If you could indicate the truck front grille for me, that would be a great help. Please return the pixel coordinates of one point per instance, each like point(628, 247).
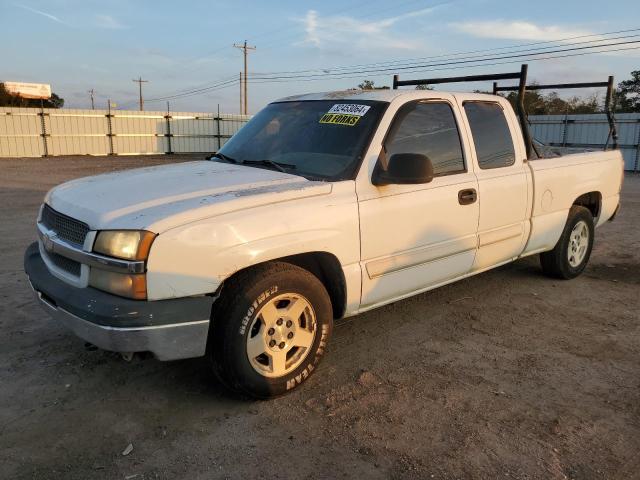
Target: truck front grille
point(65, 227)
point(64, 263)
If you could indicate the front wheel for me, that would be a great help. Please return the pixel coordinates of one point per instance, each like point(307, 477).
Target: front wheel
point(270, 329)
point(571, 254)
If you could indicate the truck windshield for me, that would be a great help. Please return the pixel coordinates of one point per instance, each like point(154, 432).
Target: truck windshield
point(315, 139)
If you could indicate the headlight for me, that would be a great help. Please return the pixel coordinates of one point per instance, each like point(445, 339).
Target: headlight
point(125, 244)
point(122, 284)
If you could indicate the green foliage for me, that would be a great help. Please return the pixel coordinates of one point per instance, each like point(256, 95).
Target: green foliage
point(8, 100)
point(536, 103)
point(626, 99)
point(370, 85)
point(424, 87)
point(627, 96)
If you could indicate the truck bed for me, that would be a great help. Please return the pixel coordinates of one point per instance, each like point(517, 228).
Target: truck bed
point(559, 181)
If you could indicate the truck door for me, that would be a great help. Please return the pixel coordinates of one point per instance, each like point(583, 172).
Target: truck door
point(503, 181)
point(417, 236)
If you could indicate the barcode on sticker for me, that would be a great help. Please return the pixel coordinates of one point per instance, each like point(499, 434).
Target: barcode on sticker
point(350, 109)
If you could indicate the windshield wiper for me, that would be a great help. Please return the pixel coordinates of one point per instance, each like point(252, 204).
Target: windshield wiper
point(224, 157)
point(270, 163)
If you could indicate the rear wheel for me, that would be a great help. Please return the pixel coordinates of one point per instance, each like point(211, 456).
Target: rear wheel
point(571, 254)
point(270, 329)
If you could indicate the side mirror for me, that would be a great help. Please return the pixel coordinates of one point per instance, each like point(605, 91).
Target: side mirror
point(403, 169)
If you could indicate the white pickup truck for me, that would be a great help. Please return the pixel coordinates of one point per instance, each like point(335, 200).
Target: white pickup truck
point(323, 206)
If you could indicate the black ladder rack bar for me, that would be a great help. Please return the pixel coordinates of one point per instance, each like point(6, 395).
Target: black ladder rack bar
point(556, 86)
point(471, 78)
point(613, 132)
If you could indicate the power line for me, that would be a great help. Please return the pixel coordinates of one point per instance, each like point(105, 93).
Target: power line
point(200, 91)
point(414, 66)
point(173, 93)
point(468, 62)
point(456, 54)
point(478, 65)
point(334, 72)
point(482, 64)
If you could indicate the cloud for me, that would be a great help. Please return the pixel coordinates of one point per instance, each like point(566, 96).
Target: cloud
point(332, 31)
point(311, 27)
point(40, 12)
point(107, 21)
point(521, 30)
point(517, 30)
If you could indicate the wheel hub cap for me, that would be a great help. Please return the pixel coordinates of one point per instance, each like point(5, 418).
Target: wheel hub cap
point(578, 243)
point(281, 335)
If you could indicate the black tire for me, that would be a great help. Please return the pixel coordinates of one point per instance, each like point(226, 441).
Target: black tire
point(234, 312)
point(555, 263)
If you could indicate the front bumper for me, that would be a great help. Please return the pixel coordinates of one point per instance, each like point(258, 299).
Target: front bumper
point(170, 329)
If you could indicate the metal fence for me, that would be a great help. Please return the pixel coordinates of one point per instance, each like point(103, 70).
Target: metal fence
point(590, 131)
point(34, 132)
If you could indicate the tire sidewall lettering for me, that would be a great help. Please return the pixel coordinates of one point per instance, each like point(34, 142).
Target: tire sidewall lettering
point(310, 367)
point(262, 298)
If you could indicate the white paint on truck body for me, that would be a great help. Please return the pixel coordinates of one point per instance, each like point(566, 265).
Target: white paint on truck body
point(214, 219)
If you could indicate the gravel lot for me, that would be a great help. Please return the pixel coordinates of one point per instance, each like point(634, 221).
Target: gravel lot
point(507, 374)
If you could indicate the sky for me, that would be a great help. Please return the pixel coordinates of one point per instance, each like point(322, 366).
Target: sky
point(187, 46)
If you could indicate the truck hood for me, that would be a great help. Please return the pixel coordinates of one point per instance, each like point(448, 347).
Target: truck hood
point(162, 197)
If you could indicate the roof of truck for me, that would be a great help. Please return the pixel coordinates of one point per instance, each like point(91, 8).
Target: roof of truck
point(386, 95)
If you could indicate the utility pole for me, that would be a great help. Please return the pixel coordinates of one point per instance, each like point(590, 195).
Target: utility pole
point(240, 111)
point(245, 50)
point(140, 81)
point(91, 94)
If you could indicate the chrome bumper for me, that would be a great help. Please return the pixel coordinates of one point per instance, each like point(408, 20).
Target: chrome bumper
point(170, 329)
point(167, 342)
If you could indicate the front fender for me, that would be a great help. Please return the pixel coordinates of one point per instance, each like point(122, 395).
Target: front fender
point(195, 259)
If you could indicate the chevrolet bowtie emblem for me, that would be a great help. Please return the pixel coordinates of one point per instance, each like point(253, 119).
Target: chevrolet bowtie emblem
point(47, 241)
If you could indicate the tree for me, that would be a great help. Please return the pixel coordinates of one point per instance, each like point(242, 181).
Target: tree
point(627, 96)
point(587, 105)
point(370, 85)
point(535, 103)
point(367, 85)
point(556, 105)
point(9, 100)
point(54, 102)
point(424, 87)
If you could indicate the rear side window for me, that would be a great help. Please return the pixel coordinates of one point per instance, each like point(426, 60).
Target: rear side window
point(430, 129)
point(491, 135)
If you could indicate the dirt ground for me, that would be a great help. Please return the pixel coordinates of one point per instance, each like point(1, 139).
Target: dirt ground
point(504, 375)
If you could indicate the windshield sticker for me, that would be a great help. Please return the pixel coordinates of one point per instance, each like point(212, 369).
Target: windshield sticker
point(338, 119)
point(350, 109)
point(345, 114)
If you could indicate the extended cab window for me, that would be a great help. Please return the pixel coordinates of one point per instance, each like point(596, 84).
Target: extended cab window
point(428, 128)
point(491, 135)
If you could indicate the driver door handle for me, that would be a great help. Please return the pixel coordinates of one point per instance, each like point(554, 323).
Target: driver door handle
point(467, 196)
